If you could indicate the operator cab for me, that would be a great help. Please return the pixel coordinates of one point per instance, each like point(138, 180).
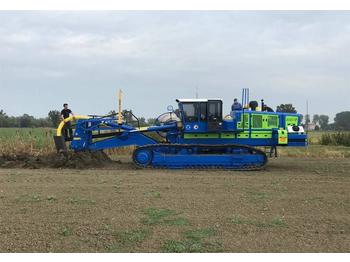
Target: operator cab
point(201, 115)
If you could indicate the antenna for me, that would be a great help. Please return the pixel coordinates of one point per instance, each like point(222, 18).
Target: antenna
point(196, 92)
point(307, 115)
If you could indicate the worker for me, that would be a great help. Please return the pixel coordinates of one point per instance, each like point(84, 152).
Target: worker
point(236, 105)
point(65, 113)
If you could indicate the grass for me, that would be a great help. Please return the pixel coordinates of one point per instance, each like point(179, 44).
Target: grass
point(126, 241)
point(199, 234)
point(35, 198)
point(26, 140)
point(316, 151)
point(182, 246)
point(178, 221)
point(29, 198)
point(66, 232)
point(133, 237)
point(336, 139)
point(156, 216)
point(194, 241)
point(274, 222)
point(51, 198)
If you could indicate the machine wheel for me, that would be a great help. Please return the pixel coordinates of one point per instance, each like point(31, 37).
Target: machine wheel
point(143, 157)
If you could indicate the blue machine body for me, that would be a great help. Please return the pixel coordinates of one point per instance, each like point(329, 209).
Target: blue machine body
point(195, 135)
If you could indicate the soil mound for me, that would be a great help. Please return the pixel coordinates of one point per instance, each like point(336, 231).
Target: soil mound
point(78, 160)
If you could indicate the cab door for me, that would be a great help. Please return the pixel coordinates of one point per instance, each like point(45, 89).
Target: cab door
point(214, 115)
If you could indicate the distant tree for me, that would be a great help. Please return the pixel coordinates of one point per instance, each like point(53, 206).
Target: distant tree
point(112, 112)
point(151, 121)
point(342, 120)
point(4, 119)
point(286, 108)
point(330, 127)
point(142, 121)
point(13, 121)
point(26, 121)
point(127, 114)
point(54, 117)
point(43, 122)
point(316, 119)
point(323, 121)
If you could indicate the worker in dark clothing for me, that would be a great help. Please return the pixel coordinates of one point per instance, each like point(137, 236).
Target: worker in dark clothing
point(65, 113)
point(236, 105)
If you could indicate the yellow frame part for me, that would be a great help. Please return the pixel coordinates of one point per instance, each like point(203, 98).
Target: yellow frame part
point(61, 125)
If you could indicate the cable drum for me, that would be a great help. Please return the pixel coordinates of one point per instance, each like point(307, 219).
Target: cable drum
point(167, 118)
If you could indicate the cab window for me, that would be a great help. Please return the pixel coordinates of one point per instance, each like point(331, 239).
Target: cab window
point(203, 112)
point(214, 110)
point(190, 111)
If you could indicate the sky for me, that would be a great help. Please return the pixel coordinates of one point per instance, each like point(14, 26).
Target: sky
point(48, 58)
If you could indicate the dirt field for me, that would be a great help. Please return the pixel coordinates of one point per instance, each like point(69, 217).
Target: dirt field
point(294, 205)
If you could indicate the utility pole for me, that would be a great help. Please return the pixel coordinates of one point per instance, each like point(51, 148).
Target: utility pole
point(196, 92)
point(307, 115)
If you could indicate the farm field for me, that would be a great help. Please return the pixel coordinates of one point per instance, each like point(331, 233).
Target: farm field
point(295, 205)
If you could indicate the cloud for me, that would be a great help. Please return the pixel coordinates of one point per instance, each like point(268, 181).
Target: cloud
point(158, 56)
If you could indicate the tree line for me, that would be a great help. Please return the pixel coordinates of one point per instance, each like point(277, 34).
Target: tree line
point(321, 122)
point(54, 118)
point(341, 120)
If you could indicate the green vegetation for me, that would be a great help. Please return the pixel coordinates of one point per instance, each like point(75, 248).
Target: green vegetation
point(156, 216)
point(35, 198)
point(133, 237)
point(194, 241)
point(51, 198)
point(275, 222)
point(29, 121)
point(335, 139)
point(287, 108)
point(26, 140)
point(123, 240)
point(199, 234)
point(29, 198)
point(66, 232)
point(184, 246)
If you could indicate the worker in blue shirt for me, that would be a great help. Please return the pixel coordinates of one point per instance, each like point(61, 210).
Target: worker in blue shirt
point(236, 105)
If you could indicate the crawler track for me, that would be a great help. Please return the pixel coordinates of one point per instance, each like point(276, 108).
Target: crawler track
point(199, 156)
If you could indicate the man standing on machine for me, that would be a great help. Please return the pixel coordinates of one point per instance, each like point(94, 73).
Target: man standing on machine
point(236, 105)
point(65, 113)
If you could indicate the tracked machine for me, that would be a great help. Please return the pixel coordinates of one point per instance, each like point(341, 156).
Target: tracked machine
point(196, 135)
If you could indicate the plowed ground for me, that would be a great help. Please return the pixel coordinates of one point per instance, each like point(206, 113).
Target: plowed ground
point(294, 205)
